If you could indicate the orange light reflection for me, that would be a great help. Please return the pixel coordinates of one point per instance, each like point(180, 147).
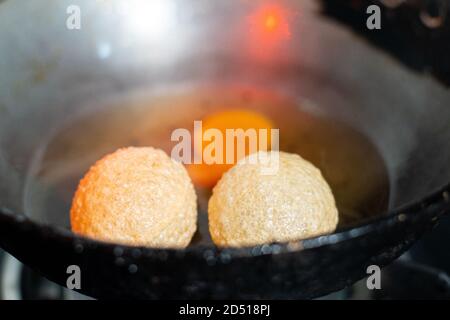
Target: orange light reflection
point(269, 28)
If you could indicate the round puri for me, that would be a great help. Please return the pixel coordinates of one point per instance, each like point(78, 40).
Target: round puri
point(136, 196)
point(250, 206)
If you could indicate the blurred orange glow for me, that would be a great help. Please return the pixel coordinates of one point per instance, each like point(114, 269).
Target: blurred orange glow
point(269, 29)
point(270, 23)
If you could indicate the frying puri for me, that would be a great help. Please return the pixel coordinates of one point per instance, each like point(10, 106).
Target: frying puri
point(252, 207)
point(136, 196)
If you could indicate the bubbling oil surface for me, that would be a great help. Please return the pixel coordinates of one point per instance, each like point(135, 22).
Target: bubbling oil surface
point(349, 161)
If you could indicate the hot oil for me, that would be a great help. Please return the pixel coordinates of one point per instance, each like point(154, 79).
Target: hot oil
point(349, 161)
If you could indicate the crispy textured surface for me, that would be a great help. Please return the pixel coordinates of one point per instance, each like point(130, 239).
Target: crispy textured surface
point(248, 208)
point(136, 196)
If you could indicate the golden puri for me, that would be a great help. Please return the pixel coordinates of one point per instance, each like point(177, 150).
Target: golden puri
point(136, 196)
point(250, 208)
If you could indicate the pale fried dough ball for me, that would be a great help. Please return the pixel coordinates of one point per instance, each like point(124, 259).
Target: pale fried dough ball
point(136, 196)
point(251, 208)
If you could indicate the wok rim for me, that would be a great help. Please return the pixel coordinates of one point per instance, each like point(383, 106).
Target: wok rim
point(387, 218)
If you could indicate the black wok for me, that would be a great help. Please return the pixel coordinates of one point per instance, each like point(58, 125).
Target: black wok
point(48, 73)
